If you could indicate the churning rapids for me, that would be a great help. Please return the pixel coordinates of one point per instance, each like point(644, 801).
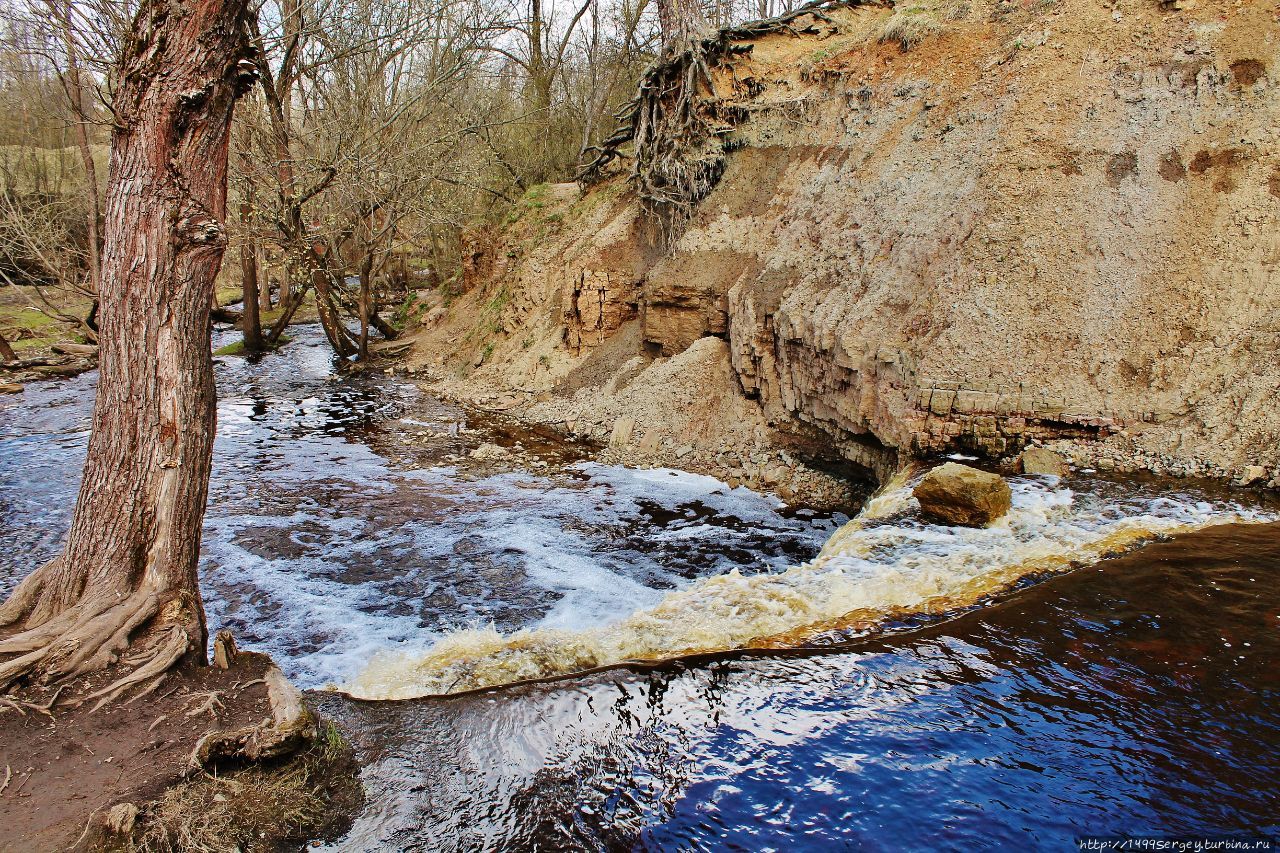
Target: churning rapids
point(892, 684)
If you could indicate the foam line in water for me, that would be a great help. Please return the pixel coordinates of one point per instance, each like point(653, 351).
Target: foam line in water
point(325, 579)
point(886, 560)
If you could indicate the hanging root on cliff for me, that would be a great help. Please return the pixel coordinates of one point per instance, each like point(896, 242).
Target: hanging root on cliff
point(678, 123)
point(63, 640)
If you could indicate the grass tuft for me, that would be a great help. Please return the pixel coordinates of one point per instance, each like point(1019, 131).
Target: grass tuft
point(910, 26)
point(258, 807)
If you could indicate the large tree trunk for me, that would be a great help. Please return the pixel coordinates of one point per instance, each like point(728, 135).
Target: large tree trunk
point(128, 573)
point(681, 21)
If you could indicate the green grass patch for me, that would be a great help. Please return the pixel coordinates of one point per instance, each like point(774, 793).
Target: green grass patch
point(535, 196)
point(408, 311)
point(27, 329)
point(229, 295)
point(237, 347)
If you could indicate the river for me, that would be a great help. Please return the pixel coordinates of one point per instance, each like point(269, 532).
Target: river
point(965, 688)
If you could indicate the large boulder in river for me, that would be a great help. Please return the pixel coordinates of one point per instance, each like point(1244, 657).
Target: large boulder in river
point(958, 494)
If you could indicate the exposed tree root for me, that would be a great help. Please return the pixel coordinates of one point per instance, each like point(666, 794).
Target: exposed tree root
point(167, 652)
point(88, 824)
point(678, 122)
point(210, 705)
point(292, 724)
point(155, 685)
point(18, 705)
point(93, 633)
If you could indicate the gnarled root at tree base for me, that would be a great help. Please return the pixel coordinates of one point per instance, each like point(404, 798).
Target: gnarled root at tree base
point(95, 632)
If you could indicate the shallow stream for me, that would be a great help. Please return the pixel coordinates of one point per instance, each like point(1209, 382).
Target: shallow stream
point(956, 689)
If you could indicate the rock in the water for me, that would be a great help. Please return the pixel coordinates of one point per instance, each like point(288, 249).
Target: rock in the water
point(958, 494)
point(10, 388)
point(1041, 460)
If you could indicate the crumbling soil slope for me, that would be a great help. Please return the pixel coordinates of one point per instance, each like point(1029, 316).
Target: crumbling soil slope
point(944, 226)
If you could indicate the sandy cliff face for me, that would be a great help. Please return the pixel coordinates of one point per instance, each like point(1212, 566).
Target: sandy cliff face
point(1046, 220)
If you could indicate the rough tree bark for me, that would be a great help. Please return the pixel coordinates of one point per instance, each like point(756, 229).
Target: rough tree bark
point(264, 280)
point(125, 587)
point(366, 298)
point(681, 21)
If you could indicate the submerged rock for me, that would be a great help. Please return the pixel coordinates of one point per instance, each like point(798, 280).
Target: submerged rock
point(1041, 460)
point(960, 495)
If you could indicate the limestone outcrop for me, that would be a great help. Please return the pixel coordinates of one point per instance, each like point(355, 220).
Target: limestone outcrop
point(1055, 222)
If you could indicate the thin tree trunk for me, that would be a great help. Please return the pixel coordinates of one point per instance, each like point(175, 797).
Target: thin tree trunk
point(264, 280)
point(249, 282)
point(365, 308)
point(78, 97)
point(128, 573)
point(290, 302)
point(285, 295)
point(330, 319)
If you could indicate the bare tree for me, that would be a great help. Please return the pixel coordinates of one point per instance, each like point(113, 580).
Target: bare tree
point(127, 576)
point(80, 99)
point(249, 278)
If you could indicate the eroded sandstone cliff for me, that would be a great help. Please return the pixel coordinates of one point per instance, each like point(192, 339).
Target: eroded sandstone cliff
point(1042, 221)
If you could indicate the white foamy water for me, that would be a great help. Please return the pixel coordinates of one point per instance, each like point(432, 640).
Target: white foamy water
point(344, 520)
point(396, 561)
point(342, 540)
point(884, 562)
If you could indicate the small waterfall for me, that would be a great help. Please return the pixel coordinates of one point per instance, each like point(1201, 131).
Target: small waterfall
point(886, 561)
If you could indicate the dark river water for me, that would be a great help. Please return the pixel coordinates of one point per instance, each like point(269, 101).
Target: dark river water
point(1014, 688)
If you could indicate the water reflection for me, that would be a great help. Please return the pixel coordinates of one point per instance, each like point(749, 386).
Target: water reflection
point(1137, 697)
